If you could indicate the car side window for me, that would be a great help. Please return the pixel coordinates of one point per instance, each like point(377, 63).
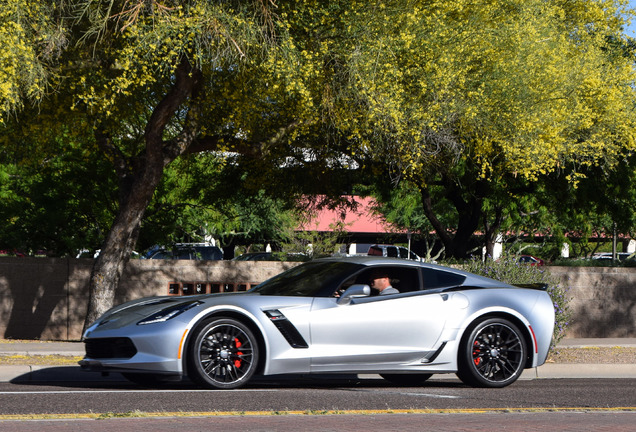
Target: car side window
point(375, 251)
point(433, 278)
point(403, 278)
point(184, 254)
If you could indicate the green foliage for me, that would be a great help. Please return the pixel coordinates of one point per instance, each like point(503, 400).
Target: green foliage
point(584, 216)
point(116, 86)
point(400, 205)
point(201, 195)
point(313, 243)
point(508, 269)
point(521, 87)
point(472, 100)
point(60, 202)
point(30, 41)
point(477, 101)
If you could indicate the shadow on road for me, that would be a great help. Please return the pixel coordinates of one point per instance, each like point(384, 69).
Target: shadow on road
point(71, 377)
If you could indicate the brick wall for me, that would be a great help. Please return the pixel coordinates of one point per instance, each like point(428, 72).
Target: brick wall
point(603, 300)
point(46, 299)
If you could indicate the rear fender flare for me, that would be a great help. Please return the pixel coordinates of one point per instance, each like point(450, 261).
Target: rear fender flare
point(511, 315)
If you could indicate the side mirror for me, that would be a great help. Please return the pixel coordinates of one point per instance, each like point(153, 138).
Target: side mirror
point(354, 291)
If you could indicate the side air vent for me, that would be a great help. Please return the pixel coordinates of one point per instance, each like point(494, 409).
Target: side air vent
point(286, 328)
point(433, 356)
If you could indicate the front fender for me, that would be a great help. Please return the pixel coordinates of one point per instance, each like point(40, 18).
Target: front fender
point(223, 310)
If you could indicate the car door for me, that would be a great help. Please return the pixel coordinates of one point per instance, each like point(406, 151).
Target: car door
point(375, 333)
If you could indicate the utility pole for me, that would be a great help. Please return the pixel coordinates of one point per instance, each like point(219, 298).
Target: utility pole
point(614, 243)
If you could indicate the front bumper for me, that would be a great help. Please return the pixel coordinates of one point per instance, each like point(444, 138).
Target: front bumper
point(154, 348)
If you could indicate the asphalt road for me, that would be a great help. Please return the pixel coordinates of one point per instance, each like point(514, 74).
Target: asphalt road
point(316, 396)
point(308, 404)
point(565, 397)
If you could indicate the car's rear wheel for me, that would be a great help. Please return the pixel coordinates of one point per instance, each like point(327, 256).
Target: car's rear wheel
point(223, 354)
point(493, 354)
point(406, 379)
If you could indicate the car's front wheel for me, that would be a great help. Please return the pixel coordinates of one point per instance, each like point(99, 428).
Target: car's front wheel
point(223, 354)
point(493, 354)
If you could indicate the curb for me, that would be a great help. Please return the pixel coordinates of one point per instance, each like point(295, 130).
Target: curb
point(582, 370)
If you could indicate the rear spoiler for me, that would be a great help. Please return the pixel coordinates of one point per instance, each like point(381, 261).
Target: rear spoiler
point(536, 286)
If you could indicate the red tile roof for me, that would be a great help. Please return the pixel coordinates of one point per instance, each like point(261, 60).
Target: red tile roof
point(362, 220)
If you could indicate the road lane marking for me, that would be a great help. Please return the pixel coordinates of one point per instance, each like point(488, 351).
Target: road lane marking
point(582, 410)
point(434, 396)
point(430, 395)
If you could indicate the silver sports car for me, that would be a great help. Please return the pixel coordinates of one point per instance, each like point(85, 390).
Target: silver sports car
point(323, 317)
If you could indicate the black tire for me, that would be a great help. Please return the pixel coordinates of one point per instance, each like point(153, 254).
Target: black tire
point(223, 354)
point(407, 379)
point(491, 354)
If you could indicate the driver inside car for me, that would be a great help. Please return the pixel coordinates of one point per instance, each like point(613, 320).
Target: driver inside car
point(380, 281)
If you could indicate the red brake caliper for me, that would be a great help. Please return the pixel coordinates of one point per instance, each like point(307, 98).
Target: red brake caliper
point(476, 351)
point(238, 362)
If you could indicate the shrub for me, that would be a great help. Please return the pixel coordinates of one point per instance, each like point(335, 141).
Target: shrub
point(508, 269)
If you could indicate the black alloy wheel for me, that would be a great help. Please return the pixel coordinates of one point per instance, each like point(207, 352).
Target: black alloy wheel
point(223, 354)
point(492, 355)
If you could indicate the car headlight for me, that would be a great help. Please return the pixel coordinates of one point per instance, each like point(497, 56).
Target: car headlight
point(169, 312)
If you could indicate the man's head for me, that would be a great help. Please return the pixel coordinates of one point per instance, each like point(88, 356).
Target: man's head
point(379, 280)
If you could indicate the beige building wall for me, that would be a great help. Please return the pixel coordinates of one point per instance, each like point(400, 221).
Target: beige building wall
point(42, 298)
point(603, 300)
point(46, 299)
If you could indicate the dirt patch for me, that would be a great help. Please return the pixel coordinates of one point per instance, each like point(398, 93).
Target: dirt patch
point(594, 355)
point(38, 360)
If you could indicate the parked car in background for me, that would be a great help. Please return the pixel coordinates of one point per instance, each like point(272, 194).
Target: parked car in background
point(620, 256)
point(271, 256)
point(188, 251)
point(15, 253)
point(531, 260)
point(391, 251)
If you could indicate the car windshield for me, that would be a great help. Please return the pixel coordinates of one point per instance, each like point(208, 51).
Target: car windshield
point(313, 279)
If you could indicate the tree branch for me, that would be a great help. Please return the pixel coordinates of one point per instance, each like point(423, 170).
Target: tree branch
point(120, 162)
point(439, 227)
point(245, 147)
point(187, 79)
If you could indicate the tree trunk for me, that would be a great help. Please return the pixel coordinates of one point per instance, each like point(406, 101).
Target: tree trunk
point(438, 226)
point(139, 177)
point(118, 246)
point(469, 212)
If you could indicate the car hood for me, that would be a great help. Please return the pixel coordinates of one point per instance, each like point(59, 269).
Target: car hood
point(136, 310)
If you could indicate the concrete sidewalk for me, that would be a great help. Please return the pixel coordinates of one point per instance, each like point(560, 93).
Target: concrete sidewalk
point(54, 373)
